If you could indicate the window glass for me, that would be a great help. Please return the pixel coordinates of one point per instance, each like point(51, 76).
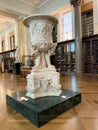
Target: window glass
point(66, 33)
point(72, 47)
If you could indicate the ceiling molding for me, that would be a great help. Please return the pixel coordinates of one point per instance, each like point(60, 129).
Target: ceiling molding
point(29, 3)
point(49, 6)
point(6, 27)
point(30, 7)
point(5, 13)
point(43, 3)
point(18, 7)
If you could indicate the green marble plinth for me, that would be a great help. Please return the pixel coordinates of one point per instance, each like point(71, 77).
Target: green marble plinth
point(41, 110)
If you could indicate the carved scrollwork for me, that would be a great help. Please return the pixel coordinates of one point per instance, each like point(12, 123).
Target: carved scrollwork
point(76, 2)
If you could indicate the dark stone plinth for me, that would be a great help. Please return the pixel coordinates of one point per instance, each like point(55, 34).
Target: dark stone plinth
point(41, 110)
point(16, 68)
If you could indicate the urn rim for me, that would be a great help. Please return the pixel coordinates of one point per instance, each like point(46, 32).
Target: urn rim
point(28, 19)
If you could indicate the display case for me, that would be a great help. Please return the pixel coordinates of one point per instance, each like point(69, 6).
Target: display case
point(8, 59)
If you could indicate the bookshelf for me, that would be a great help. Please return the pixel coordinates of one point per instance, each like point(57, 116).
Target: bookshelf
point(90, 54)
point(8, 59)
point(87, 23)
point(65, 56)
point(54, 34)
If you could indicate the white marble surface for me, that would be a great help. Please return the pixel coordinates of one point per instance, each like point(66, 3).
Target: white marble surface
point(44, 82)
point(43, 79)
point(17, 55)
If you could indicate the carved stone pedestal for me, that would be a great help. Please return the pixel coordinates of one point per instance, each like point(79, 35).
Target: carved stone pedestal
point(44, 82)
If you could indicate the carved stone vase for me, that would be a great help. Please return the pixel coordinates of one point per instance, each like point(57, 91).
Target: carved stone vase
point(43, 80)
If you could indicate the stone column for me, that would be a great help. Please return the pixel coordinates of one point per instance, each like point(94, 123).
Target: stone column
point(21, 39)
point(78, 35)
point(16, 33)
point(26, 46)
point(95, 13)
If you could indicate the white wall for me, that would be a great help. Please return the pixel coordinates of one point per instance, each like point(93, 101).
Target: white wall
point(58, 13)
point(15, 28)
point(53, 5)
point(95, 6)
point(6, 35)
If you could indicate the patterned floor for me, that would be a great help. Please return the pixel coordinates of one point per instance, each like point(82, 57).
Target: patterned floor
point(84, 116)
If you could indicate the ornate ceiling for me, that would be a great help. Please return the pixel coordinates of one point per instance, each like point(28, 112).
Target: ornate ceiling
point(11, 10)
point(14, 9)
point(21, 7)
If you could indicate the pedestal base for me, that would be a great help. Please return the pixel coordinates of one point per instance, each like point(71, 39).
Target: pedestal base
point(16, 68)
point(43, 82)
point(43, 94)
point(41, 110)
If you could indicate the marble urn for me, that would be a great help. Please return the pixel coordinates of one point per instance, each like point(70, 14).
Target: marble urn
point(43, 80)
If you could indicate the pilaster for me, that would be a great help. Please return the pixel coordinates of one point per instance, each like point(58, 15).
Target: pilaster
point(21, 38)
point(95, 13)
point(78, 35)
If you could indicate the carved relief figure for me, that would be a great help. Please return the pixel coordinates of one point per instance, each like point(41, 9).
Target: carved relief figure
point(42, 44)
point(33, 85)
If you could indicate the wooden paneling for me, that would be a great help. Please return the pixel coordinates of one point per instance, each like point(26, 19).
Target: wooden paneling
point(87, 7)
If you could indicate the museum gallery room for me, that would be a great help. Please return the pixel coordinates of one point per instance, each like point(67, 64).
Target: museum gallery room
point(49, 64)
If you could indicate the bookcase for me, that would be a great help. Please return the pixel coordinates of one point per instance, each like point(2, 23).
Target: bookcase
point(8, 59)
point(87, 23)
point(90, 54)
point(54, 34)
point(65, 56)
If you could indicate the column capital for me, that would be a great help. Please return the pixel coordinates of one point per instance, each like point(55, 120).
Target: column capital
point(76, 2)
